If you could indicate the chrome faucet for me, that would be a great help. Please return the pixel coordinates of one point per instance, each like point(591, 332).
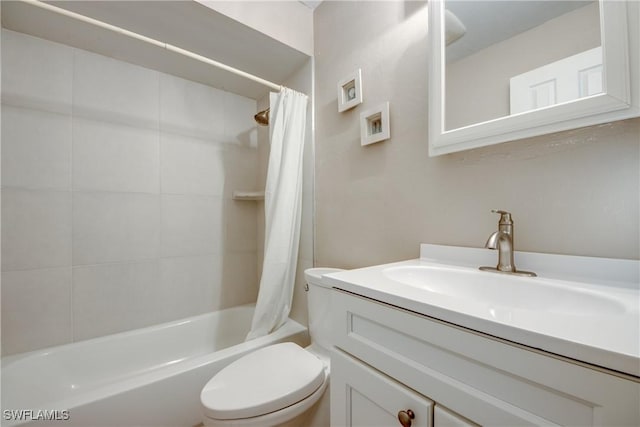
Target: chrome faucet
point(502, 240)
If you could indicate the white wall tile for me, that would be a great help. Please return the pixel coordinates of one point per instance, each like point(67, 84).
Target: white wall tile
point(263, 154)
point(241, 224)
point(308, 162)
point(240, 279)
point(260, 234)
point(89, 259)
point(240, 126)
point(192, 225)
point(189, 108)
point(111, 227)
point(116, 91)
point(36, 229)
point(36, 309)
point(242, 170)
point(306, 228)
point(192, 166)
point(36, 73)
point(114, 157)
point(36, 149)
point(111, 298)
point(192, 284)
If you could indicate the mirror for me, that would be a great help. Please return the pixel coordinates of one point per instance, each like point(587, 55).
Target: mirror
point(505, 70)
point(512, 57)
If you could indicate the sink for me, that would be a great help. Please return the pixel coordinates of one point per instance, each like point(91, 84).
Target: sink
point(583, 308)
point(505, 291)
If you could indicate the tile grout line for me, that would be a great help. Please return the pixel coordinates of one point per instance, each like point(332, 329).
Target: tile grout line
point(132, 261)
point(160, 167)
point(122, 192)
point(71, 307)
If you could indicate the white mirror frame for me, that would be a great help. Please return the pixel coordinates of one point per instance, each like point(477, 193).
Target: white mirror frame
point(619, 23)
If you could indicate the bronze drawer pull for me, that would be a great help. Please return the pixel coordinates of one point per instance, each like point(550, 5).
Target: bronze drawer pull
point(405, 417)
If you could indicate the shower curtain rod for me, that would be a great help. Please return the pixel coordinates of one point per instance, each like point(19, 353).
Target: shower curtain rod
point(151, 41)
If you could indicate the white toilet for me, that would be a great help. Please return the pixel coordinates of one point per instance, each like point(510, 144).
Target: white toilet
point(276, 385)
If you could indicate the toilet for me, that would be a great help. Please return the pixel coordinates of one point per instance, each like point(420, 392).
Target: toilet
point(275, 385)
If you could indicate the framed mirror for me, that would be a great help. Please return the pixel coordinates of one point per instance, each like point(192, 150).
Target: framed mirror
point(510, 69)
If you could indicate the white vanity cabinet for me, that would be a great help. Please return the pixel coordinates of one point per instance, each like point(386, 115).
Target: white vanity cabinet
point(364, 397)
point(443, 417)
point(387, 359)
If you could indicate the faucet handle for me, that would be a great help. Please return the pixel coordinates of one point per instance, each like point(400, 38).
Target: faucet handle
point(505, 217)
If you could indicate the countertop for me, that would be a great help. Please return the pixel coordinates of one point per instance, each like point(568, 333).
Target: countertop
point(607, 340)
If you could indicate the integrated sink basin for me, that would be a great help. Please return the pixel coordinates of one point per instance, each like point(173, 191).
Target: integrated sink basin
point(501, 291)
point(583, 308)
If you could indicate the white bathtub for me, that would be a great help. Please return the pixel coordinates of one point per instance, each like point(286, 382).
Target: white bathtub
point(145, 377)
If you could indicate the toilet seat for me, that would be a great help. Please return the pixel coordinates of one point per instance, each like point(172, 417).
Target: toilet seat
point(273, 418)
point(263, 382)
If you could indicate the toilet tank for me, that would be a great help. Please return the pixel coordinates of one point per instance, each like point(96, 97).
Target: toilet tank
point(318, 300)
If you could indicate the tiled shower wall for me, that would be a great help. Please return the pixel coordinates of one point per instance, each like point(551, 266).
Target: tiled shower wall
point(116, 196)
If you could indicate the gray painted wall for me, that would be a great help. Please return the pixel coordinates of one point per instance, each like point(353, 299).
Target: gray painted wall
point(574, 192)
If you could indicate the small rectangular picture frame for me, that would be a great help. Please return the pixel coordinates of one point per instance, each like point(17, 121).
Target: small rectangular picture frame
point(374, 124)
point(350, 91)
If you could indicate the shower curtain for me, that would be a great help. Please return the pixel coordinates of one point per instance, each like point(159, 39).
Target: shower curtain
point(283, 211)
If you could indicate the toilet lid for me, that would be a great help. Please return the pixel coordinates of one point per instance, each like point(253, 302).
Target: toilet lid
point(261, 382)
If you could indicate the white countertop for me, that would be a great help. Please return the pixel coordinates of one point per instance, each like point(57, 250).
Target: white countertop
point(608, 340)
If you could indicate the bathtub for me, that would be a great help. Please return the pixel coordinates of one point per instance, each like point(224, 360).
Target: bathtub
point(145, 377)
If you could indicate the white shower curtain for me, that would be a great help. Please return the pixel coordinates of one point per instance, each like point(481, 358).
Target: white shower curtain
point(283, 211)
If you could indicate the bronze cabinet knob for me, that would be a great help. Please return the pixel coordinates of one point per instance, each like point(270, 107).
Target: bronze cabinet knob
point(405, 417)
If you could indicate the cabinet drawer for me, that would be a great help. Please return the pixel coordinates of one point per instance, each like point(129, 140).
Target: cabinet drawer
point(485, 380)
point(442, 417)
point(363, 397)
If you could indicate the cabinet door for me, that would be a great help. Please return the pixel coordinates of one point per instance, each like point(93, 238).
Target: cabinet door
point(443, 417)
point(364, 397)
point(489, 381)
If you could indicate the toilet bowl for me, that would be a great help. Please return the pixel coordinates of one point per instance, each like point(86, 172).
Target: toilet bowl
point(275, 385)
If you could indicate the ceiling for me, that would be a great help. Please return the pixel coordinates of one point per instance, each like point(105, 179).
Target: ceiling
point(489, 22)
point(210, 34)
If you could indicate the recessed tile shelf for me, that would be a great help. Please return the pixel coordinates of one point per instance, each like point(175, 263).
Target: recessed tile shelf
point(248, 195)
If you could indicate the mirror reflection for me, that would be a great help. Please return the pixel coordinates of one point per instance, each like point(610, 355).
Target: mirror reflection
point(508, 57)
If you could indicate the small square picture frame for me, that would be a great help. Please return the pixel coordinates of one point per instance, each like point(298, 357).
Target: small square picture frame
point(374, 124)
point(350, 91)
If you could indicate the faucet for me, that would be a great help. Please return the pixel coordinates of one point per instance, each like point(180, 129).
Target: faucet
point(502, 240)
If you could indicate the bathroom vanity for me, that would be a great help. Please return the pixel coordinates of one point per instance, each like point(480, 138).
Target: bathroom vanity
point(407, 352)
